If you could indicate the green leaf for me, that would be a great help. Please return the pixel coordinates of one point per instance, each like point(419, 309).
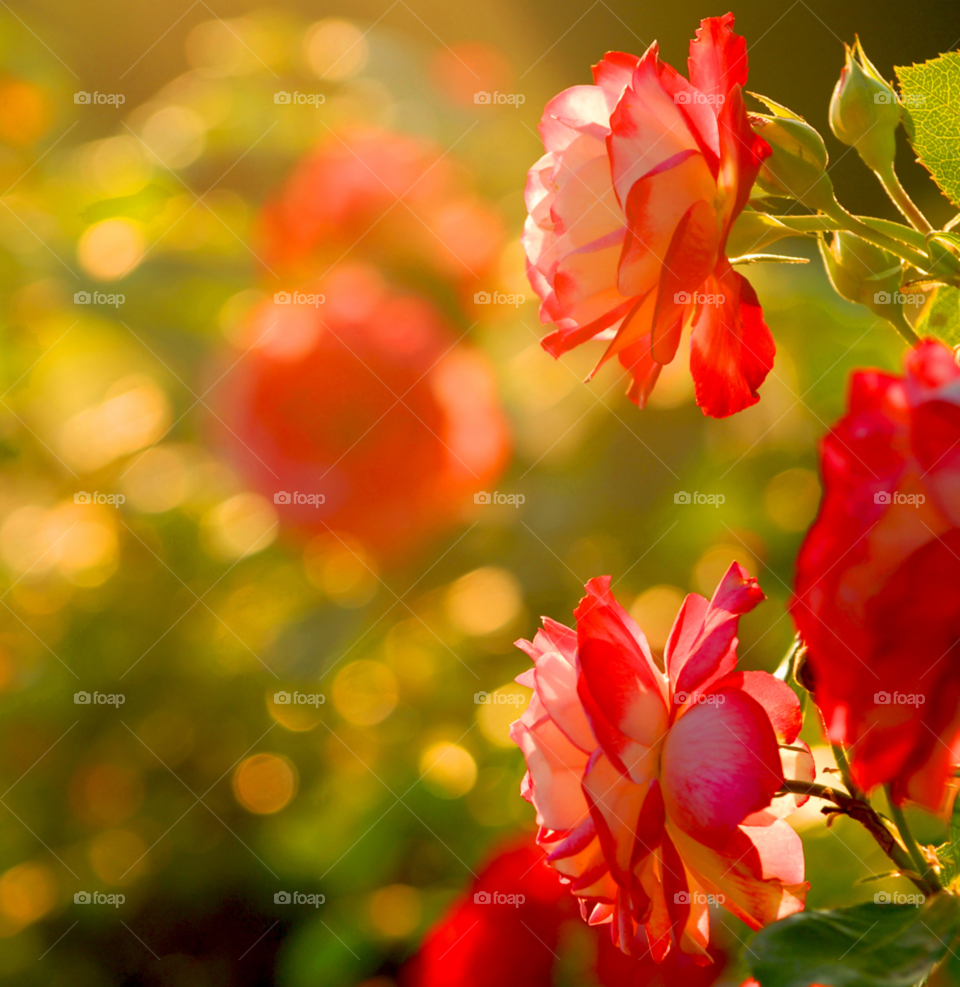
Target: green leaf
point(871, 945)
point(940, 316)
point(949, 853)
point(931, 96)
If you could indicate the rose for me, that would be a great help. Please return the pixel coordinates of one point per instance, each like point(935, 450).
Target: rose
point(390, 194)
point(640, 799)
point(629, 213)
point(878, 578)
point(371, 396)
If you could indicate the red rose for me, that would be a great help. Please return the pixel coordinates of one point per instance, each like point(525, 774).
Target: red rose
point(366, 400)
point(656, 790)
point(393, 197)
point(878, 577)
point(630, 209)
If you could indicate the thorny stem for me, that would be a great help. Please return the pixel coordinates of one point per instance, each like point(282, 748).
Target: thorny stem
point(922, 865)
point(871, 820)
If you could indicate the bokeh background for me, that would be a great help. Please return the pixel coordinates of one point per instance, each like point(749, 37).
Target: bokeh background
point(399, 398)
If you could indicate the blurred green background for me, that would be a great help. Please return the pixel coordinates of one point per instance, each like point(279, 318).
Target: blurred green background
point(344, 800)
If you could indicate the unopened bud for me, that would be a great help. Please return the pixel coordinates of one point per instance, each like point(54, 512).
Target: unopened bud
point(861, 272)
point(865, 111)
point(797, 168)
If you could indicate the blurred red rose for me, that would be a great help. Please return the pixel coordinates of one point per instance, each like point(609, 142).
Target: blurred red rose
point(367, 399)
point(394, 198)
point(878, 578)
point(630, 209)
point(480, 943)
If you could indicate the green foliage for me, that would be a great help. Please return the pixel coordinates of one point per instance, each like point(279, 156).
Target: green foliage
point(870, 945)
point(931, 93)
point(941, 316)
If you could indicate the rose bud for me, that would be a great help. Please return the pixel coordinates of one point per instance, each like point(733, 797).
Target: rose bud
point(864, 110)
point(861, 272)
point(797, 168)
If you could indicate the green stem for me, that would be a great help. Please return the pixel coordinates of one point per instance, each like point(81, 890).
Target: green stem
point(870, 819)
point(898, 249)
point(902, 200)
point(898, 321)
point(920, 862)
point(843, 763)
point(821, 223)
